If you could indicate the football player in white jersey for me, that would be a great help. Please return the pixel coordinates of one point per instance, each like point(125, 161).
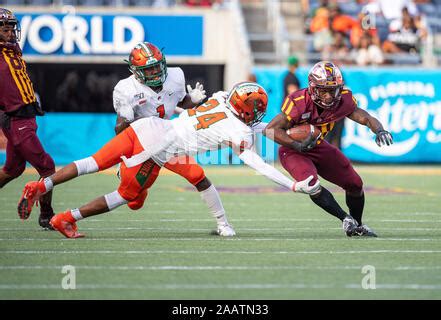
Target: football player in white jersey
point(153, 90)
point(222, 120)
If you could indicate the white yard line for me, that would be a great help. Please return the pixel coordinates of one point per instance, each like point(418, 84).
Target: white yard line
point(210, 268)
point(261, 286)
point(192, 252)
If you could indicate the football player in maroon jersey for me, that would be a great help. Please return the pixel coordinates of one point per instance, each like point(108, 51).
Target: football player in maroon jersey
point(18, 108)
point(324, 102)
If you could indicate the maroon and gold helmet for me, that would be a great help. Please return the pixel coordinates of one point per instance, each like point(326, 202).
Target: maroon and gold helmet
point(9, 22)
point(248, 101)
point(148, 64)
point(325, 84)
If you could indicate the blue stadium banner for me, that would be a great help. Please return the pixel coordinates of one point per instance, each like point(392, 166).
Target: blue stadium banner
point(406, 101)
point(103, 34)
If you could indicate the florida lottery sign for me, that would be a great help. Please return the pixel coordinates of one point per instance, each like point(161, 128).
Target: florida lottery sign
point(408, 103)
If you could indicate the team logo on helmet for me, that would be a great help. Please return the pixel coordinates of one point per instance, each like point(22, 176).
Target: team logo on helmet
point(248, 101)
point(8, 20)
point(148, 64)
point(325, 83)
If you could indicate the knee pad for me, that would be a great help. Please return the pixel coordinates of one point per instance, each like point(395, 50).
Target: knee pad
point(195, 175)
point(138, 202)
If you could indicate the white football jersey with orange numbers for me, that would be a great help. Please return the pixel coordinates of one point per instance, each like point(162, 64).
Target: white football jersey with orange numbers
point(208, 127)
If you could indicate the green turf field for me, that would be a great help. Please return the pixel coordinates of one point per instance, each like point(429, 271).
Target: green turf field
point(286, 247)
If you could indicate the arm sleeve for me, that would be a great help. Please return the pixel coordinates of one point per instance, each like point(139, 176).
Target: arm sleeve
point(253, 160)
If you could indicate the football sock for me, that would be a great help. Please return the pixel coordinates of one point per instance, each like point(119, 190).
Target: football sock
point(76, 214)
point(356, 206)
point(48, 184)
point(212, 199)
point(326, 201)
point(114, 200)
point(45, 205)
point(86, 165)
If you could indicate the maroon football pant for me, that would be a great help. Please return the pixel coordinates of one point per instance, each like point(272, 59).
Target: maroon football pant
point(23, 145)
point(324, 160)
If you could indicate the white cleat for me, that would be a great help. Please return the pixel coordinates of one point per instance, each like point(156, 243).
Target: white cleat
point(350, 226)
point(225, 230)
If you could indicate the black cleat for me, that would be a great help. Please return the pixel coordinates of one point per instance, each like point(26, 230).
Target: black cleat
point(43, 221)
point(365, 231)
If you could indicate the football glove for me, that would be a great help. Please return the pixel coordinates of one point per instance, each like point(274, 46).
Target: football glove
point(197, 94)
point(306, 145)
point(304, 187)
point(383, 138)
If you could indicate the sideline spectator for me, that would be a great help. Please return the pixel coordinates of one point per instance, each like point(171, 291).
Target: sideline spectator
point(368, 53)
point(405, 37)
point(338, 51)
point(290, 81)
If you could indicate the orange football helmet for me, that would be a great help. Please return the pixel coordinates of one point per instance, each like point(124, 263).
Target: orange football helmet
point(148, 64)
point(248, 101)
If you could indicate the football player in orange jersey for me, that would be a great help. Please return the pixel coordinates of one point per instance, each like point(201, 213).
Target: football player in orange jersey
point(324, 102)
point(18, 108)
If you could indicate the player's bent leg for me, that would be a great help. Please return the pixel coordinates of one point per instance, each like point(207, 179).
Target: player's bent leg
point(65, 222)
point(135, 181)
point(14, 166)
point(300, 166)
point(123, 144)
point(5, 178)
point(138, 202)
point(187, 167)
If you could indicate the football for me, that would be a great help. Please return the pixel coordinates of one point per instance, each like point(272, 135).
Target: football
point(301, 132)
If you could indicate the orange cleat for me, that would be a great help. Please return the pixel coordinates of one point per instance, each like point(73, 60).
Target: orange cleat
point(30, 196)
point(64, 223)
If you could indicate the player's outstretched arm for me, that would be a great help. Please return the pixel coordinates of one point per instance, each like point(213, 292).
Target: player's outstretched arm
point(254, 161)
point(363, 117)
point(194, 97)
